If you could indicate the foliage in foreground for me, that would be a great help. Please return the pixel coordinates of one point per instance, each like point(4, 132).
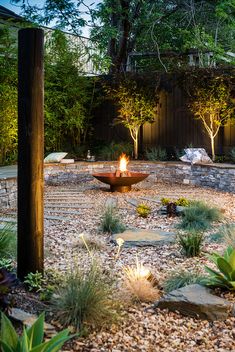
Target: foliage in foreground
point(31, 339)
point(198, 217)
point(191, 243)
point(178, 279)
point(110, 221)
point(224, 276)
point(139, 284)
point(85, 300)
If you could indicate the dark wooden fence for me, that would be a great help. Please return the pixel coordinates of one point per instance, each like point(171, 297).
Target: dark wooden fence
point(175, 126)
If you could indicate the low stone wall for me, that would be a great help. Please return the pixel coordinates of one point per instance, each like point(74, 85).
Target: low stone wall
point(217, 176)
point(8, 191)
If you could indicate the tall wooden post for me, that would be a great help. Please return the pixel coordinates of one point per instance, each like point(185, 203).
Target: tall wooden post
point(30, 151)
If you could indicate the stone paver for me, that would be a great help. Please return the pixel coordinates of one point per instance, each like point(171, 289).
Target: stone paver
point(139, 237)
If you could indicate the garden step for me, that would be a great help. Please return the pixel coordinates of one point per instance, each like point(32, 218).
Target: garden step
point(63, 211)
point(78, 206)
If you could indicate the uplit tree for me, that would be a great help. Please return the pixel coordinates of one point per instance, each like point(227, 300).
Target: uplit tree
point(212, 105)
point(136, 106)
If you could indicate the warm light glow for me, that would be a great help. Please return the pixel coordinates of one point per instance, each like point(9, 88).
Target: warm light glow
point(123, 161)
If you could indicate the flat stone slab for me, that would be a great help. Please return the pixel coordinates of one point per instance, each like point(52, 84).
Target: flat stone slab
point(78, 206)
point(196, 301)
point(28, 319)
point(139, 237)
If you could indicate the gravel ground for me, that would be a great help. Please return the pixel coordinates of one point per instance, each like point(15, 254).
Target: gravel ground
point(143, 328)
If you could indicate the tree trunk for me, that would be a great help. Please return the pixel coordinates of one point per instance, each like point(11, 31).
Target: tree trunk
point(212, 148)
point(136, 148)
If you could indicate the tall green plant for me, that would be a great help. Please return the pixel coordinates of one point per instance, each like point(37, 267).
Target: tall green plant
point(8, 96)
point(68, 95)
point(136, 106)
point(211, 104)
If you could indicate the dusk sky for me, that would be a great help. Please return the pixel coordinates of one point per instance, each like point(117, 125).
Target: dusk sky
point(17, 9)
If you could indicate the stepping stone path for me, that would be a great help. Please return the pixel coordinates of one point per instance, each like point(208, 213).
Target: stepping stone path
point(141, 238)
point(196, 301)
point(28, 319)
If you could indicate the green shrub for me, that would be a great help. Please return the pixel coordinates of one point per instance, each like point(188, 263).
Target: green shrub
point(228, 233)
point(232, 154)
point(114, 150)
point(182, 202)
point(110, 221)
point(6, 264)
point(216, 237)
point(178, 279)
point(198, 217)
point(34, 281)
point(85, 300)
point(143, 210)
point(7, 241)
point(31, 339)
point(191, 243)
point(225, 276)
point(156, 153)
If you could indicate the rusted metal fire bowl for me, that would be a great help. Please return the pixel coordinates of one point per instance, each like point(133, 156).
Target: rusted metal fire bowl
point(120, 184)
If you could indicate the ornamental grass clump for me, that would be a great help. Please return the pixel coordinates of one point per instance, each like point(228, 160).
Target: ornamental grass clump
point(191, 243)
point(139, 284)
point(7, 241)
point(85, 300)
point(110, 221)
point(198, 217)
point(178, 279)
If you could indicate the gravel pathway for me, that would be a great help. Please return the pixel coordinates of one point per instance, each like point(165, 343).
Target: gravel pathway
point(142, 329)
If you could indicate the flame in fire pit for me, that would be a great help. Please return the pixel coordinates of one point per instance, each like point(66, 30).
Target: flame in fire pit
point(123, 161)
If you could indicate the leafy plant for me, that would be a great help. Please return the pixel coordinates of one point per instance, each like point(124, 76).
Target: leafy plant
point(110, 221)
point(136, 106)
point(198, 217)
point(34, 281)
point(156, 153)
point(6, 264)
point(7, 281)
point(225, 276)
point(191, 243)
point(143, 210)
point(31, 339)
point(7, 241)
point(178, 279)
point(211, 104)
point(85, 300)
point(140, 284)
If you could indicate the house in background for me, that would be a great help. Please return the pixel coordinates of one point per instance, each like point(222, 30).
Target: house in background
point(84, 45)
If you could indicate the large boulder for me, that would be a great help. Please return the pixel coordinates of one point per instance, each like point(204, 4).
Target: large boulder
point(196, 301)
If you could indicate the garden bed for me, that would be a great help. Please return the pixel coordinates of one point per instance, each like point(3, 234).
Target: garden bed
point(143, 327)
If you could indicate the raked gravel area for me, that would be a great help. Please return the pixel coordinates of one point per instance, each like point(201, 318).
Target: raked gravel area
point(77, 208)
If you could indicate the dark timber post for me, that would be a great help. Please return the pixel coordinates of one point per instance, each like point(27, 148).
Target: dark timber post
point(30, 151)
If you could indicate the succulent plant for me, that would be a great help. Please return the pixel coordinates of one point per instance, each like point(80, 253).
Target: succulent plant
point(225, 277)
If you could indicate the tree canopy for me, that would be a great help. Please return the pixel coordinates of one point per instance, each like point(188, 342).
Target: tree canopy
point(122, 27)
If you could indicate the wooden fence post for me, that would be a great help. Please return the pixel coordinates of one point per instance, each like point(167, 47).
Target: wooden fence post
point(30, 151)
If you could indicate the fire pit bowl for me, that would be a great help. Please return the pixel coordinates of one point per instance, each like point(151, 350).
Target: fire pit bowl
point(120, 184)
